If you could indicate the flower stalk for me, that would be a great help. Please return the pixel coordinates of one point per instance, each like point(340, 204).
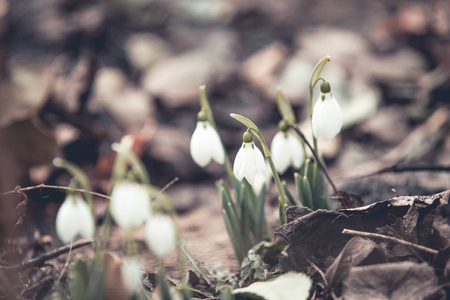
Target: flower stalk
point(204, 103)
point(284, 202)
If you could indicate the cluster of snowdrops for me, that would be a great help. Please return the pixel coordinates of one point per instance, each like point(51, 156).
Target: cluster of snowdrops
point(135, 202)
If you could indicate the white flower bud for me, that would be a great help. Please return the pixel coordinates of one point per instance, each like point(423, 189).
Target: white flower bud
point(74, 217)
point(130, 204)
point(286, 151)
point(249, 161)
point(327, 117)
point(206, 145)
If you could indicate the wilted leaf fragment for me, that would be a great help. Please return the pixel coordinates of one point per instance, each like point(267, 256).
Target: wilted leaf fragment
point(285, 287)
point(355, 252)
point(405, 280)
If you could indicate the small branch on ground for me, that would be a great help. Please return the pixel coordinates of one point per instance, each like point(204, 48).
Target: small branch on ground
point(19, 190)
point(400, 169)
point(48, 256)
point(389, 238)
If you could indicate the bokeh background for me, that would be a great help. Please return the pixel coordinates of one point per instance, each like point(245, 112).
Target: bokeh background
point(76, 76)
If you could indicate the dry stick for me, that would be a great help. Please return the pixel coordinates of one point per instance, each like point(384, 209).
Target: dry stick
point(56, 187)
point(389, 238)
point(318, 271)
point(399, 169)
point(41, 259)
point(172, 182)
point(319, 162)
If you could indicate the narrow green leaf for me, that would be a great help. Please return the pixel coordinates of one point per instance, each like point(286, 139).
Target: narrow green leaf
point(281, 212)
point(285, 108)
point(233, 238)
point(300, 190)
point(307, 193)
point(78, 279)
point(289, 195)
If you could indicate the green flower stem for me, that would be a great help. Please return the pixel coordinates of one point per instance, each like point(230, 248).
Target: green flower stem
point(318, 161)
point(204, 103)
point(79, 176)
point(136, 164)
point(315, 78)
point(284, 202)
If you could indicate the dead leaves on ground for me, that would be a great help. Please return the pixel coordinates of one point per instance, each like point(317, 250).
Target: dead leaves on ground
point(358, 267)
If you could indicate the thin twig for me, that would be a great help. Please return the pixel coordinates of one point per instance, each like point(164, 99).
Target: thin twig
point(41, 259)
point(56, 187)
point(389, 238)
point(319, 162)
point(67, 262)
point(318, 271)
point(172, 182)
point(399, 169)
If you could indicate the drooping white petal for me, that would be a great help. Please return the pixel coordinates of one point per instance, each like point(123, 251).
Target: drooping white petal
point(296, 153)
point(216, 151)
point(74, 217)
point(327, 117)
point(279, 150)
point(286, 151)
point(130, 204)
point(260, 162)
point(160, 235)
point(199, 145)
point(315, 117)
point(249, 161)
point(239, 161)
point(131, 272)
point(206, 145)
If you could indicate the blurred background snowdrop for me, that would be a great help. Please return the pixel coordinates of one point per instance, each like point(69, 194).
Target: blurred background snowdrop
point(130, 205)
point(74, 217)
point(160, 235)
point(131, 272)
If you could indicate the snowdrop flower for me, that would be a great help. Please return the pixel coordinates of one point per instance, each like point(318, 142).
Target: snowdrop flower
point(130, 204)
point(160, 235)
point(131, 272)
point(74, 217)
point(286, 151)
point(205, 143)
point(249, 160)
point(327, 115)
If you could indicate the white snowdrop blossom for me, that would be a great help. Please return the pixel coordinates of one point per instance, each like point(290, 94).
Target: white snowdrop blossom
point(131, 272)
point(74, 217)
point(206, 145)
point(249, 161)
point(160, 235)
point(286, 151)
point(327, 117)
point(130, 204)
